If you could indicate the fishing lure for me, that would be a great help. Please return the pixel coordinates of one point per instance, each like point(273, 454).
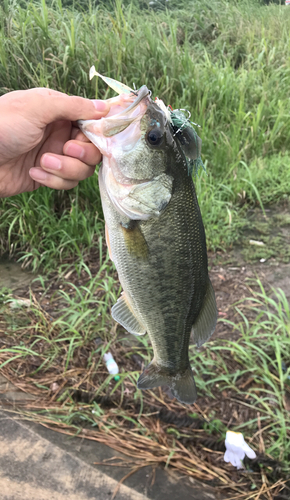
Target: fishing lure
point(189, 140)
point(182, 126)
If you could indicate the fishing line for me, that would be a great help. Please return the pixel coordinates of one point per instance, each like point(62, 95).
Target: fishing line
point(185, 122)
point(187, 110)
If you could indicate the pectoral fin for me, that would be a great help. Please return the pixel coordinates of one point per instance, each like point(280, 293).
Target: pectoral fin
point(135, 241)
point(108, 242)
point(123, 314)
point(205, 324)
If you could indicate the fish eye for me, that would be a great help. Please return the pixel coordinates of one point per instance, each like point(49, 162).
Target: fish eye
point(155, 137)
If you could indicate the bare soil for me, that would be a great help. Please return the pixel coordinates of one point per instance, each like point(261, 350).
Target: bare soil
point(233, 278)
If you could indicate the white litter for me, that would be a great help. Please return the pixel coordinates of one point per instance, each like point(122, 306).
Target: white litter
point(111, 364)
point(15, 304)
point(236, 449)
point(258, 243)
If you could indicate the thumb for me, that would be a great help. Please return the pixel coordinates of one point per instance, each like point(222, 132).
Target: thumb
point(48, 105)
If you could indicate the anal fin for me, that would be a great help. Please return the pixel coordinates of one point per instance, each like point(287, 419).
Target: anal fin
point(204, 326)
point(123, 314)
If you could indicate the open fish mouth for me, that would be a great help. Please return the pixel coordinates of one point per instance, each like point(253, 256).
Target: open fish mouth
point(120, 130)
point(120, 137)
point(121, 126)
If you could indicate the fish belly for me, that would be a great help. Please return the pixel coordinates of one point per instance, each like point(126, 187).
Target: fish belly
point(162, 267)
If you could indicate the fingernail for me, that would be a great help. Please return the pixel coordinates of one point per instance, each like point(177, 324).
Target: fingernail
point(74, 150)
point(50, 162)
point(37, 174)
point(100, 105)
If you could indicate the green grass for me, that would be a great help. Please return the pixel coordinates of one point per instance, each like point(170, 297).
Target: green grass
point(262, 354)
point(253, 370)
point(227, 62)
point(51, 227)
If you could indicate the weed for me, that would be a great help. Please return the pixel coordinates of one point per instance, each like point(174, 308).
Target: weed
point(245, 383)
point(225, 61)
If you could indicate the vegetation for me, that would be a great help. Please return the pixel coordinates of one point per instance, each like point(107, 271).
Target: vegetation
point(228, 62)
point(243, 384)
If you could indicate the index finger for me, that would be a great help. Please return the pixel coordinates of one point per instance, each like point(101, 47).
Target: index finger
point(46, 106)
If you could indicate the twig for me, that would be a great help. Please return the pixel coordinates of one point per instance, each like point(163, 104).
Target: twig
point(244, 495)
point(262, 444)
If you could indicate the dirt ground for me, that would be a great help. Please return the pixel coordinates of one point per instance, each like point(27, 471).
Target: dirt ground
point(263, 252)
point(234, 281)
point(234, 276)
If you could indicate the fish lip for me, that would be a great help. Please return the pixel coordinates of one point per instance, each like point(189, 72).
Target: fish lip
point(142, 93)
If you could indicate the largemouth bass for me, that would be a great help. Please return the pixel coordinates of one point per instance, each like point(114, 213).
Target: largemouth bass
point(155, 236)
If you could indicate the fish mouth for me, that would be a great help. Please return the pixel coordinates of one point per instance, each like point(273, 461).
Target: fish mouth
point(141, 94)
point(114, 129)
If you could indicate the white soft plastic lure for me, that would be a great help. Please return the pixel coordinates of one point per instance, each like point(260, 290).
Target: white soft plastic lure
point(118, 87)
point(121, 88)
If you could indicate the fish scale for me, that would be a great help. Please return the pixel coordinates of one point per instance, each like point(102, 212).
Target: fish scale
point(157, 242)
point(173, 274)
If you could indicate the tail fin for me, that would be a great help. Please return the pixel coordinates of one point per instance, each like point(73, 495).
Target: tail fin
point(182, 385)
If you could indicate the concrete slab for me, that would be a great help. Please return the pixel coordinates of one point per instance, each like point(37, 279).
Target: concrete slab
point(32, 468)
point(39, 464)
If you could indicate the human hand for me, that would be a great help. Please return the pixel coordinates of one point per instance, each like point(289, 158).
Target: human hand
point(39, 144)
